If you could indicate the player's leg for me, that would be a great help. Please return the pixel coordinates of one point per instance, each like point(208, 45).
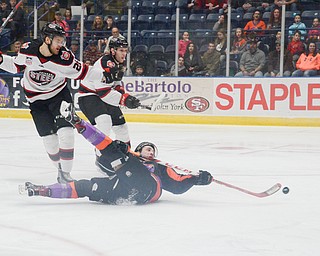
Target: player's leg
point(45, 125)
point(65, 134)
point(119, 125)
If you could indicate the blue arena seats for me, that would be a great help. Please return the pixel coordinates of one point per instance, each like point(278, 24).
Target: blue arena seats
point(165, 7)
point(143, 22)
point(161, 21)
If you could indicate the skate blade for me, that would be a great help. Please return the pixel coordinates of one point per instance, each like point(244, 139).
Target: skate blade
point(22, 189)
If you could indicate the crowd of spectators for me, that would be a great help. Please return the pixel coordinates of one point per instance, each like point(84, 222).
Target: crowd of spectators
point(254, 50)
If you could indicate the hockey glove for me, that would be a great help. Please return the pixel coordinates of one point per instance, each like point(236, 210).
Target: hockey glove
point(129, 101)
point(123, 147)
point(204, 178)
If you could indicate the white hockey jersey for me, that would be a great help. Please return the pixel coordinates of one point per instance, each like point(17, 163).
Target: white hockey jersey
point(44, 77)
point(96, 83)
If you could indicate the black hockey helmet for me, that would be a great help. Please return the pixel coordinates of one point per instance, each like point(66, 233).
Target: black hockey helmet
point(144, 144)
point(118, 43)
point(51, 30)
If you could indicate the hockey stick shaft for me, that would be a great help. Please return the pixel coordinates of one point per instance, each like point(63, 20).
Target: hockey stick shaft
point(265, 193)
point(145, 107)
point(4, 24)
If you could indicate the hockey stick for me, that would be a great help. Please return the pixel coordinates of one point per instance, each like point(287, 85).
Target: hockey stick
point(265, 193)
point(155, 104)
point(145, 107)
point(4, 24)
point(159, 99)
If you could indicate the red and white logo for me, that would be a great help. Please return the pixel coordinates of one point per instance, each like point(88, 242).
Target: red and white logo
point(197, 104)
point(110, 64)
point(25, 45)
point(65, 55)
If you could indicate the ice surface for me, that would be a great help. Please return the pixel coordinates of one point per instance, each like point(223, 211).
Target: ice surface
point(205, 221)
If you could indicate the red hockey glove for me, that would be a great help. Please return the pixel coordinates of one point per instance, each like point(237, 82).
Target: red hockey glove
point(204, 178)
point(129, 101)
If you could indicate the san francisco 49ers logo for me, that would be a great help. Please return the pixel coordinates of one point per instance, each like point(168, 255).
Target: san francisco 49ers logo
point(65, 55)
point(197, 104)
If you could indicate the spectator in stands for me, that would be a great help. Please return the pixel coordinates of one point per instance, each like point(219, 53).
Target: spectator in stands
point(192, 59)
point(182, 71)
point(272, 44)
point(252, 61)
point(274, 62)
point(296, 47)
point(314, 32)
point(308, 63)
point(221, 44)
point(67, 14)
point(115, 34)
point(75, 35)
point(109, 25)
point(215, 6)
point(91, 53)
point(256, 24)
point(51, 7)
point(274, 22)
point(261, 5)
point(61, 22)
point(298, 25)
point(291, 5)
point(211, 61)
point(139, 71)
point(3, 7)
point(220, 24)
point(14, 48)
point(17, 22)
point(195, 6)
point(243, 7)
point(142, 58)
point(183, 43)
point(239, 44)
point(75, 48)
point(97, 28)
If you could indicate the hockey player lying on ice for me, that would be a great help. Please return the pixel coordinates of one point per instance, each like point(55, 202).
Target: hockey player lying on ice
point(134, 177)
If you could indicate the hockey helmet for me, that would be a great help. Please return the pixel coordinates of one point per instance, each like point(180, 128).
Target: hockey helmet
point(118, 43)
point(144, 144)
point(51, 30)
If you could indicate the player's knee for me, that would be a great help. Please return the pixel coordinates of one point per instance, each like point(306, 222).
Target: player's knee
point(83, 188)
point(66, 137)
point(122, 132)
point(104, 123)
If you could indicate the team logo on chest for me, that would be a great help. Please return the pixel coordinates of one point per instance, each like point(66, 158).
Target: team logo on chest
point(42, 77)
point(110, 64)
point(65, 55)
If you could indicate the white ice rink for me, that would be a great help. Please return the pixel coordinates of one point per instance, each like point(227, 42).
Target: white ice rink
point(205, 221)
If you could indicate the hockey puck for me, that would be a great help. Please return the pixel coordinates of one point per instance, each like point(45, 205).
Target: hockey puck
point(285, 190)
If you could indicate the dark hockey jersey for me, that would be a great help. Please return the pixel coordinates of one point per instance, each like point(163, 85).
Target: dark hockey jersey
point(44, 77)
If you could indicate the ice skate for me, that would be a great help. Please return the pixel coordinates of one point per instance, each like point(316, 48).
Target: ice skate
point(35, 190)
point(69, 114)
point(64, 177)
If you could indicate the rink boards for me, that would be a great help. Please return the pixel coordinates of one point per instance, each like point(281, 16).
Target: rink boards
point(241, 101)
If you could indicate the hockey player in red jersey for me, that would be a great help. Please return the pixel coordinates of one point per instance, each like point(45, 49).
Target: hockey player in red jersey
point(46, 65)
point(102, 92)
point(133, 177)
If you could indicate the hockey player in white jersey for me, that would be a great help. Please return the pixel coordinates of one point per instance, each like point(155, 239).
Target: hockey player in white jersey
point(102, 92)
point(46, 65)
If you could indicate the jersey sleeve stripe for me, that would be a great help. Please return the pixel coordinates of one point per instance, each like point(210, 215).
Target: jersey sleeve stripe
point(84, 72)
